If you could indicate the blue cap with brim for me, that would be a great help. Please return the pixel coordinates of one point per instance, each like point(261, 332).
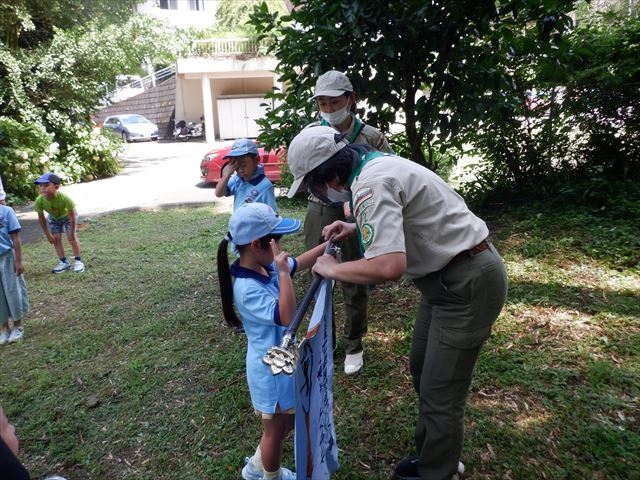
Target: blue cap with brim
point(252, 221)
point(48, 178)
point(241, 147)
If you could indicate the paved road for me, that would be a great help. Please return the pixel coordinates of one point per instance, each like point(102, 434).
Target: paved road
point(155, 174)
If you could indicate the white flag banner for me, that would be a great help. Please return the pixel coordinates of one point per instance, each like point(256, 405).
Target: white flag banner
point(316, 449)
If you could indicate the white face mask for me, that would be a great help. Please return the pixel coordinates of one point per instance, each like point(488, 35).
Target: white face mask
point(337, 117)
point(338, 196)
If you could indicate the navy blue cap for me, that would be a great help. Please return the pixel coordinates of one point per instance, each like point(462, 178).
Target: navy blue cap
point(48, 178)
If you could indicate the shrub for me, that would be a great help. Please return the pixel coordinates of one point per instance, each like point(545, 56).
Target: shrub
point(78, 153)
point(86, 153)
point(25, 150)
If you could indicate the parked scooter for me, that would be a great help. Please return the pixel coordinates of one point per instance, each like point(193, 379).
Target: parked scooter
point(196, 129)
point(184, 131)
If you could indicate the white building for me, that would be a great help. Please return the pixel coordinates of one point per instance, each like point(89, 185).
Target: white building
point(181, 13)
point(223, 81)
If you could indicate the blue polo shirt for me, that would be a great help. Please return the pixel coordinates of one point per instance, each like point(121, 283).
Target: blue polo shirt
point(256, 298)
point(257, 189)
point(8, 224)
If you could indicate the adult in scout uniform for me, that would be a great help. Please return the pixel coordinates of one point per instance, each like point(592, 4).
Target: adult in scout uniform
point(411, 223)
point(336, 101)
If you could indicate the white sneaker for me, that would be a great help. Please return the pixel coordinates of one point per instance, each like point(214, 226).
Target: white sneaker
point(250, 473)
point(460, 472)
point(78, 266)
point(16, 334)
point(4, 337)
point(353, 363)
point(61, 267)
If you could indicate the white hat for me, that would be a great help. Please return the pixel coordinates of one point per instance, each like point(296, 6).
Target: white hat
point(332, 84)
point(310, 148)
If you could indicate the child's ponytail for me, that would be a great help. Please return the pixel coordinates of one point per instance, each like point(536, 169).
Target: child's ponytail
point(226, 288)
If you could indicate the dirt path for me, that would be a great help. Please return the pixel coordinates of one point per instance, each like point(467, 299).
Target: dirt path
point(155, 174)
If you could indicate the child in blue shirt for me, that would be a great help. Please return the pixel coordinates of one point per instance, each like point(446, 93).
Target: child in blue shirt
point(263, 294)
point(14, 302)
point(244, 177)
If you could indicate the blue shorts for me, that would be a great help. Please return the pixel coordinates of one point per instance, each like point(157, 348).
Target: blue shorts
point(57, 226)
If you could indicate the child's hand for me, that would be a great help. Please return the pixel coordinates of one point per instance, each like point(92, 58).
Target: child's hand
point(281, 258)
point(18, 268)
point(232, 166)
point(229, 168)
point(50, 238)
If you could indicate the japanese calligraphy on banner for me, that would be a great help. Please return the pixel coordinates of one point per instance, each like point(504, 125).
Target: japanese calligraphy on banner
point(316, 449)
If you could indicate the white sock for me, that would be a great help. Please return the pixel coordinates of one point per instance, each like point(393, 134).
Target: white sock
point(256, 460)
point(272, 475)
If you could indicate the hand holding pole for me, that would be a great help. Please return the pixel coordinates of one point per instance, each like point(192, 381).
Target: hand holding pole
point(283, 358)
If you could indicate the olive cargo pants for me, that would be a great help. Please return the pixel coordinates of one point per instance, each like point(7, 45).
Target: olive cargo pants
point(355, 296)
point(458, 307)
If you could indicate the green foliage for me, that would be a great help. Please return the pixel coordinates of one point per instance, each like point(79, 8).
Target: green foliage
point(86, 153)
point(54, 77)
point(233, 15)
point(426, 65)
point(29, 23)
point(603, 96)
point(518, 128)
point(441, 162)
point(70, 73)
point(513, 82)
point(13, 97)
point(579, 133)
point(79, 153)
point(26, 149)
point(555, 392)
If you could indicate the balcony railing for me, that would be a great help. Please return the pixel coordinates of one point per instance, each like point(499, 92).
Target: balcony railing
point(138, 85)
point(212, 47)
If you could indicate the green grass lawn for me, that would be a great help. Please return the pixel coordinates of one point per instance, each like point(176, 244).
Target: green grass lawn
point(128, 372)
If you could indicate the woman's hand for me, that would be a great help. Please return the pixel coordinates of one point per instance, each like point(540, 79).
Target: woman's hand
point(323, 265)
point(338, 230)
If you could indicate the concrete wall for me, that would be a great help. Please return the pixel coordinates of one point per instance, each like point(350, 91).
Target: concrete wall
point(157, 104)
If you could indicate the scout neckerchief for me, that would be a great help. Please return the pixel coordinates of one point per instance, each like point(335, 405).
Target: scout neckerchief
point(357, 127)
point(364, 159)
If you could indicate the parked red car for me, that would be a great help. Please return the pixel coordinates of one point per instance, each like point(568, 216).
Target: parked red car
point(213, 162)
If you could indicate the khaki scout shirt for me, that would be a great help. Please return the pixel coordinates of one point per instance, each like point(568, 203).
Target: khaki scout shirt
point(401, 206)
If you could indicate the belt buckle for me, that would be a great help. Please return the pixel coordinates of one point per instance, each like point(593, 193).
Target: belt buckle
point(479, 248)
